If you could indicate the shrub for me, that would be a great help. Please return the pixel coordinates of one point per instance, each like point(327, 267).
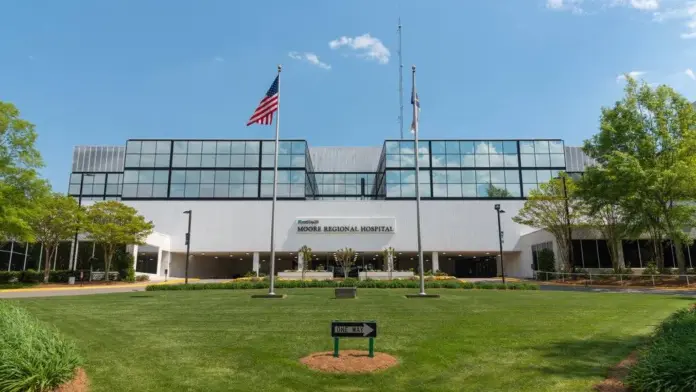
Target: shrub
point(60, 276)
point(9, 276)
point(376, 284)
point(130, 273)
point(31, 276)
point(32, 357)
point(651, 269)
point(668, 363)
point(142, 278)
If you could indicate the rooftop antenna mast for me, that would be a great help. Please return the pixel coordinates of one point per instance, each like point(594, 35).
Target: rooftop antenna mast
point(401, 85)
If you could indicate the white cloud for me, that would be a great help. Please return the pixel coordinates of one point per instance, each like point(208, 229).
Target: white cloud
point(690, 73)
point(632, 74)
point(367, 46)
point(565, 5)
point(682, 11)
point(644, 4)
point(310, 58)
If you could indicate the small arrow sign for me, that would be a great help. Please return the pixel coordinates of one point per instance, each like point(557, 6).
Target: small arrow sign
point(354, 329)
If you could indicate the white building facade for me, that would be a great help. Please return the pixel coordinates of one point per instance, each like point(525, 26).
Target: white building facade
point(328, 198)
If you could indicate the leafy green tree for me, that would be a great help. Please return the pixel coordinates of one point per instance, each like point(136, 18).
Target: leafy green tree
point(112, 223)
point(306, 253)
point(346, 257)
point(56, 218)
point(545, 209)
point(646, 151)
point(498, 193)
point(19, 182)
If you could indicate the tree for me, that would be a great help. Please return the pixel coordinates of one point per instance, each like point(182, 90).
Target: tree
point(112, 224)
point(646, 151)
point(56, 218)
point(605, 212)
point(19, 182)
point(498, 193)
point(388, 257)
point(306, 253)
point(346, 259)
point(545, 208)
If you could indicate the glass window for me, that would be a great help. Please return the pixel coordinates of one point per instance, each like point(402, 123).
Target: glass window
point(252, 147)
point(194, 147)
point(180, 147)
point(543, 176)
point(513, 190)
point(222, 177)
point(452, 160)
point(297, 161)
point(161, 177)
point(207, 190)
point(468, 161)
point(496, 160)
point(298, 148)
point(178, 177)
point(393, 177)
point(495, 147)
point(483, 176)
point(133, 147)
point(454, 177)
point(207, 160)
point(193, 161)
point(224, 148)
point(132, 160)
point(512, 176)
point(179, 160)
point(237, 147)
point(439, 190)
point(238, 161)
point(392, 147)
point(482, 161)
point(221, 191)
point(268, 147)
point(468, 177)
point(267, 160)
point(207, 177)
point(162, 160)
point(528, 160)
point(526, 147)
point(407, 161)
point(466, 147)
point(454, 190)
point(468, 190)
point(176, 190)
point(543, 160)
point(193, 176)
point(482, 148)
point(191, 190)
point(452, 147)
point(437, 147)
point(164, 147)
point(529, 176)
point(222, 161)
point(406, 147)
point(251, 190)
point(149, 147)
point(408, 177)
point(266, 177)
point(251, 161)
point(511, 160)
point(144, 190)
point(558, 160)
point(252, 177)
point(556, 147)
point(130, 190)
point(439, 177)
point(510, 147)
point(159, 190)
point(541, 147)
point(497, 177)
point(130, 176)
point(237, 177)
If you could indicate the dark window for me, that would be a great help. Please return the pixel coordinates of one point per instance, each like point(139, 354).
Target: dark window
point(589, 253)
point(630, 253)
point(577, 253)
point(647, 252)
point(63, 260)
point(604, 254)
point(34, 256)
point(670, 257)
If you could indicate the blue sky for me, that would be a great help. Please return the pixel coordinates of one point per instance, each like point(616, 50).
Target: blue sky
point(98, 72)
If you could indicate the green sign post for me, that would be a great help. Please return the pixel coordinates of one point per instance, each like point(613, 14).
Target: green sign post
point(354, 329)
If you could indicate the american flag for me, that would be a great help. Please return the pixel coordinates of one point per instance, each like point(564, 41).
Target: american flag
point(415, 101)
point(269, 104)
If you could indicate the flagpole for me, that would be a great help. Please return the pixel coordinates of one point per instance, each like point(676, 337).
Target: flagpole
point(271, 288)
point(418, 214)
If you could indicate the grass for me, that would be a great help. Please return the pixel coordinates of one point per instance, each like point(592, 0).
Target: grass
point(17, 285)
point(475, 340)
point(33, 357)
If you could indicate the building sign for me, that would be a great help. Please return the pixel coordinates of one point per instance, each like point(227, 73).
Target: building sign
point(346, 225)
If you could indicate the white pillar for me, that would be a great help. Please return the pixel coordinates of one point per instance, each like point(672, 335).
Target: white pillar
point(159, 261)
point(255, 263)
point(436, 262)
point(300, 261)
point(135, 256)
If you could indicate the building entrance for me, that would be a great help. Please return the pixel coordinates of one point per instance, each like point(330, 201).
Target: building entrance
point(476, 267)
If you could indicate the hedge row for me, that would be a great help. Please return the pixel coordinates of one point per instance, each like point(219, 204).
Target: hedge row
point(32, 276)
point(668, 362)
point(32, 357)
point(376, 284)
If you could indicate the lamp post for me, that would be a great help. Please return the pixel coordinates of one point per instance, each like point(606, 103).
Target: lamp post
point(79, 204)
point(500, 241)
point(188, 244)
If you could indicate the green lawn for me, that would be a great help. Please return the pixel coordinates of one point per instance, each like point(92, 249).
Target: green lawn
point(472, 340)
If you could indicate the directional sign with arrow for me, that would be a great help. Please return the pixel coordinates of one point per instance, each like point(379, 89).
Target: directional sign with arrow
point(354, 329)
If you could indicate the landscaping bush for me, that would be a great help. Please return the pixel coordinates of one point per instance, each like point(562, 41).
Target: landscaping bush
point(31, 276)
point(375, 284)
point(651, 269)
point(33, 357)
point(130, 274)
point(142, 278)
point(9, 276)
point(668, 363)
point(60, 276)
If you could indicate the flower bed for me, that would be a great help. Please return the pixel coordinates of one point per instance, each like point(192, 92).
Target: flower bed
point(375, 284)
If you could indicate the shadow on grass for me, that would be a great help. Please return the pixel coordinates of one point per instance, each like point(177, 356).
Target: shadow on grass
point(582, 358)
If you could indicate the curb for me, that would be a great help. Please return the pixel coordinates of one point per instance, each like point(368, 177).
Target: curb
point(100, 287)
point(604, 286)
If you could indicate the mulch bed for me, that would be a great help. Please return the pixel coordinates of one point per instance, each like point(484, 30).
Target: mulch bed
point(614, 381)
point(79, 383)
point(349, 361)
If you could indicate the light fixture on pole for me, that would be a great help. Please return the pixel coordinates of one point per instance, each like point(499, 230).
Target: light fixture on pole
point(188, 244)
point(500, 241)
point(79, 203)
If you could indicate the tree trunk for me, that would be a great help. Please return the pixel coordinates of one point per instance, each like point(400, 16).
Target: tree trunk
point(47, 267)
point(107, 263)
point(679, 252)
point(345, 273)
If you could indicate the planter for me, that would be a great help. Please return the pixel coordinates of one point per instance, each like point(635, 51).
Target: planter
point(346, 292)
point(309, 275)
point(384, 275)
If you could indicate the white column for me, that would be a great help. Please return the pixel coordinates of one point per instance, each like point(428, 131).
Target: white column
point(159, 261)
point(134, 252)
point(436, 261)
point(300, 261)
point(255, 263)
